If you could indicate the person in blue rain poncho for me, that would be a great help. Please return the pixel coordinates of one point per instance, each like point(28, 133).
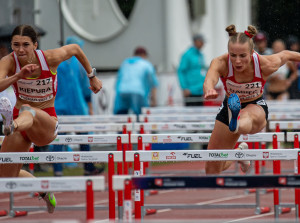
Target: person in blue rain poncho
point(136, 81)
point(73, 98)
point(191, 72)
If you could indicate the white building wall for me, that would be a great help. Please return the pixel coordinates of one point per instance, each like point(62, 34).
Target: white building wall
point(164, 27)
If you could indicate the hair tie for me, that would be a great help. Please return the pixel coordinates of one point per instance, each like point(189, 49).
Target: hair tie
point(248, 34)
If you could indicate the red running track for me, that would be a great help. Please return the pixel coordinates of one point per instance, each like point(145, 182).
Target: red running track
point(188, 196)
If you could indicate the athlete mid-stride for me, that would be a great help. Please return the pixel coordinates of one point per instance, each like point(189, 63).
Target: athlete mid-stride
point(32, 73)
point(243, 111)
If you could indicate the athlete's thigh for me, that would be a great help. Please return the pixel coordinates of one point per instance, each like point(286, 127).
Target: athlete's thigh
point(258, 116)
point(44, 128)
point(222, 138)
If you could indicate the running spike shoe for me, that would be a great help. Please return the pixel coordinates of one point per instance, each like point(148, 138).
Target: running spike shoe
point(6, 111)
point(234, 108)
point(50, 200)
point(245, 165)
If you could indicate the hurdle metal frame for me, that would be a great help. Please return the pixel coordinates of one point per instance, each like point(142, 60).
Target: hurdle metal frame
point(52, 184)
point(80, 157)
point(128, 183)
point(140, 139)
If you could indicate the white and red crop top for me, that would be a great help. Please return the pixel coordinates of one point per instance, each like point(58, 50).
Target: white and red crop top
point(245, 91)
point(40, 89)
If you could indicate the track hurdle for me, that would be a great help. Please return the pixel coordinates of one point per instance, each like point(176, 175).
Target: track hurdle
point(80, 157)
point(273, 108)
point(181, 155)
point(190, 155)
point(209, 117)
point(222, 182)
point(52, 184)
point(294, 137)
point(107, 127)
point(62, 157)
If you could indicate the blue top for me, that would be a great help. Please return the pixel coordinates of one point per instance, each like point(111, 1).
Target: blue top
point(73, 91)
point(192, 71)
point(137, 76)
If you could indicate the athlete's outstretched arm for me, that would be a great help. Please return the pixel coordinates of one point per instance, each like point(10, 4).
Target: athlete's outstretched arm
point(271, 63)
point(214, 72)
point(7, 77)
point(56, 56)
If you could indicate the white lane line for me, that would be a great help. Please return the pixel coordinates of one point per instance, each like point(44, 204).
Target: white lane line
point(251, 217)
point(254, 216)
point(223, 199)
point(163, 210)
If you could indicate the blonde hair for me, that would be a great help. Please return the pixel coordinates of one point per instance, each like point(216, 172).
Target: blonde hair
point(241, 37)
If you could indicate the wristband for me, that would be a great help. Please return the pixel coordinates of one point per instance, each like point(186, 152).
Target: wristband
point(92, 74)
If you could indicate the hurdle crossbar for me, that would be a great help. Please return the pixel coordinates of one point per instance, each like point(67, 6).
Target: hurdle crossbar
point(60, 157)
point(86, 139)
point(107, 127)
point(174, 126)
point(284, 125)
point(50, 184)
point(212, 155)
point(96, 118)
point(204, 137)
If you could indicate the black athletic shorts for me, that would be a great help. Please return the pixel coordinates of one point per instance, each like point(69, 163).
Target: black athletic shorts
point(222, 115)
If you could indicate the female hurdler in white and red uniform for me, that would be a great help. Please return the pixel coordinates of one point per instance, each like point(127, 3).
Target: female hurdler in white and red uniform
point(244, 111)
point(33, 75)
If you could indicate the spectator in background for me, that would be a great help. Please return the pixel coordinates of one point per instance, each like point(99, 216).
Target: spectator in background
point(294, 45)
point(261, 44)
point(281, 80)
point(136, 81)
point(191, 72)
point(73, 98)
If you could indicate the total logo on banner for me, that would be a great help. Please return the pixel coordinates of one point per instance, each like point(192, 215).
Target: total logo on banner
point(76, 157)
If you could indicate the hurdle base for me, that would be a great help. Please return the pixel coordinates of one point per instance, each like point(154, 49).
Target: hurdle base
point(262, 191)
point(284, 210)
point(3, 213)
point(262, 210)
point(153, 192)
point(149, 211)
point(14, 214)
